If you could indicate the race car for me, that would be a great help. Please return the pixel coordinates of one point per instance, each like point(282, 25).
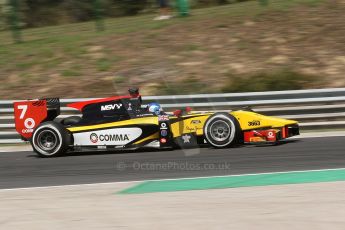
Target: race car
point(122, 122)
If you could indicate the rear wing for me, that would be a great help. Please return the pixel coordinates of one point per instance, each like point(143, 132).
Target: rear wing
point(31, 113)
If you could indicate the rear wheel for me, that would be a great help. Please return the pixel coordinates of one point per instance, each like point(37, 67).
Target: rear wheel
point(222, 130)
point(50, 139)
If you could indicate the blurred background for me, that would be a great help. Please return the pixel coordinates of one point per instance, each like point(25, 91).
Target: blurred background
point(97, 48)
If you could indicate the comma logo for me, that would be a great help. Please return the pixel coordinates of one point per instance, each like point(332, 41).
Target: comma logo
point(114, 137)
point(93, 138)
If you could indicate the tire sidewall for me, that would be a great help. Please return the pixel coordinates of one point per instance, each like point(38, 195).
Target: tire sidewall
point(60, 133)
point(234, 129)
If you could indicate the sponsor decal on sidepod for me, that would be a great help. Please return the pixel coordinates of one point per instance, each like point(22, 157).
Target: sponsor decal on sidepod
point(115, 136)
point(108, 137)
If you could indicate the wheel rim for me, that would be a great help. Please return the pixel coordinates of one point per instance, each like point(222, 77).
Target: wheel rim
point(47, 140)
point(220, 131)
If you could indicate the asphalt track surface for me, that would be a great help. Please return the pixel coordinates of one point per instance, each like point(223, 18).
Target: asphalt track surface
point(24, 169)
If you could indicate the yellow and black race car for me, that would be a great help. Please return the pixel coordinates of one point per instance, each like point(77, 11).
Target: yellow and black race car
point(122, 123)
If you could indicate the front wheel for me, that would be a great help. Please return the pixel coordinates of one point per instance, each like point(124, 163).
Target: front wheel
point(50, 139)
point(222, 130)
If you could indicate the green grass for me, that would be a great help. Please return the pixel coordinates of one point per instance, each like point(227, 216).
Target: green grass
point(81, 31)
point(191, 84)
point(71, 73)
point(26, 65)
point(103, 64)
point(51, 63)
point(119, 80)
point(280, 80)
point(73, 36)
point(192, 47)
point(48, 49)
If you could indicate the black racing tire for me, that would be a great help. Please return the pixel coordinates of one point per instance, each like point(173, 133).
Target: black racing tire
point(50, 139)
point(222, 130)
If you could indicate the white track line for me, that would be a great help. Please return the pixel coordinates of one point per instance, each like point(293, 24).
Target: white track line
point(11, 149)
point(174, 179)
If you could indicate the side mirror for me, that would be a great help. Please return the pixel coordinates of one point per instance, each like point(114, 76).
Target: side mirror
point(180, 112)
point(177, 113)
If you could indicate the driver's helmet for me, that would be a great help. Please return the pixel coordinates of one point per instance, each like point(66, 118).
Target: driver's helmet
point(154, 108)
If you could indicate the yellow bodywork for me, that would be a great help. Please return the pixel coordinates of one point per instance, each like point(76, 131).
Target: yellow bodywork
point(190, 124)
point(245, 118)
point(194, 123)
